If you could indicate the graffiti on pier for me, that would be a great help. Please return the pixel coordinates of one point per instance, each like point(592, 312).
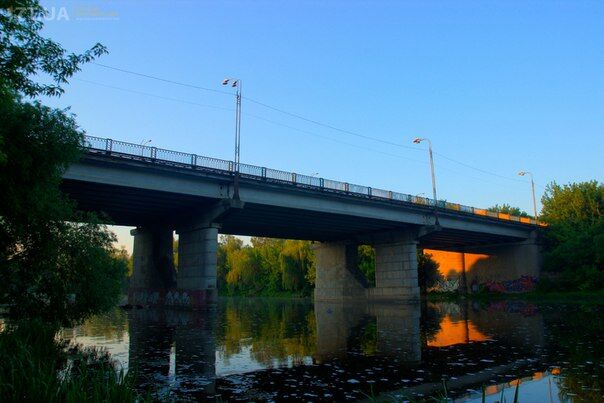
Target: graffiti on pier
point(522, 284)
point(144, 298)
point(446, 285)
point(175, 298)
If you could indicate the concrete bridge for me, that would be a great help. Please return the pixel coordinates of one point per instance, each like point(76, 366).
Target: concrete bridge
point(161, 191)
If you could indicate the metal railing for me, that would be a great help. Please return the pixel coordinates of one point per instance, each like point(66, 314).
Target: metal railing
point(192, 161)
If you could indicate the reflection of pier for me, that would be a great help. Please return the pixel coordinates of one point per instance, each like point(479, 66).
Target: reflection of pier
point(173, 348)
point(397, 334)
point(356, 348)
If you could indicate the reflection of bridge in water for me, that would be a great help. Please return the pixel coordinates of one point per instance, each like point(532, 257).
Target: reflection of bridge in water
point(350, 346)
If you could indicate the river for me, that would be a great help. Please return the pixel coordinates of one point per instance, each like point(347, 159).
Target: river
point(293, 349)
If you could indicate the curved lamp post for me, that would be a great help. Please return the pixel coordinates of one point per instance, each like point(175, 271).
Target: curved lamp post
point(143, 144)
point(418, 140)
point(236, 83)
point(523, 173)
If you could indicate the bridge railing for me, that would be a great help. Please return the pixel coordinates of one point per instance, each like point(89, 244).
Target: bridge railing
point(159, 155)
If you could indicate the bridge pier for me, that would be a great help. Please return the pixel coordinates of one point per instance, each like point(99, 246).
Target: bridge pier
point(396, 269)
point(196, 279)
point(338, 277)
point(153, 266)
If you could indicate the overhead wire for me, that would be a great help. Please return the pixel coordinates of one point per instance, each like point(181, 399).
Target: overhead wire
point(153, 95)
point(263, 119)
point(305, 119)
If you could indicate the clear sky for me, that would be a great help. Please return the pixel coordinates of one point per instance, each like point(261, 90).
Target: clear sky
point(498, 86)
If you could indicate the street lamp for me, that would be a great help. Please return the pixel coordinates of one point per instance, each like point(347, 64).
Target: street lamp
point(236, 83)
point(523, 173)
point(143, 144)
point(418, 140)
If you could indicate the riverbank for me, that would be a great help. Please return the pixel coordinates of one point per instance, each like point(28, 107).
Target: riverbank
point(595, 297)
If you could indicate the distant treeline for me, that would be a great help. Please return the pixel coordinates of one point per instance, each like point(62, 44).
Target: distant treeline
point(265, 267)
point(278, 267)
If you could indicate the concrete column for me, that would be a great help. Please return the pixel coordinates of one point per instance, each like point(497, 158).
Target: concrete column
point(196, 279)
point(338, 277)
point(153, 266)
point(396, 269)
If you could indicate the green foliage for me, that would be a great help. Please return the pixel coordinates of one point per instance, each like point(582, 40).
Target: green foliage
point(45, 257)
point(50, 267)
point(296, 261)
point(507, 209)
point(37, 367)
point(267, 267)
point(24, 53)
point(575, 236)
point(366, 261)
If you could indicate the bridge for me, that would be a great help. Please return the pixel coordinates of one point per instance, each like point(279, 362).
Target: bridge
point(160, 191)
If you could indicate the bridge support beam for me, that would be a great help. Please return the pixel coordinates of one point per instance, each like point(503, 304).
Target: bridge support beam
point(396, 269)
point(338, 277)
point(196, 279)
point(153, 266)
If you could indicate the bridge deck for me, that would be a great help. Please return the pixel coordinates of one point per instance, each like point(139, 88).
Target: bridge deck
point(138, 185)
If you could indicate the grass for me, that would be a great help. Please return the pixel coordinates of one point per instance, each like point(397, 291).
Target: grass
point(37, 367)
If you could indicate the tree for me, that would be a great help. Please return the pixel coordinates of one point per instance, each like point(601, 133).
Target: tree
point(366, 262)
point(427, 271)
point(296, 259)
point(56, 263)
point(245, 274)
point(226, 246)
point(575, 235)
point(266, 267)
point(507, 209)
point(46, 257)
point(25, 54)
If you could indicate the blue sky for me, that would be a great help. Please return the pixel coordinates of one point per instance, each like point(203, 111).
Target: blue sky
point(499, 86)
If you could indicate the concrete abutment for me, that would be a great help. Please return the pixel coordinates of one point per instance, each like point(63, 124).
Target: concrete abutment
point(511, 267)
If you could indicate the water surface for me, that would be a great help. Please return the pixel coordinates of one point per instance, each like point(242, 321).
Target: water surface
point(269, 349)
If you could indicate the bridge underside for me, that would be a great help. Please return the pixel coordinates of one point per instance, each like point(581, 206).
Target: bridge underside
point(141, 207)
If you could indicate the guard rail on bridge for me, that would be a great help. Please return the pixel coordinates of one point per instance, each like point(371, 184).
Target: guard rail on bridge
point(192, 161)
